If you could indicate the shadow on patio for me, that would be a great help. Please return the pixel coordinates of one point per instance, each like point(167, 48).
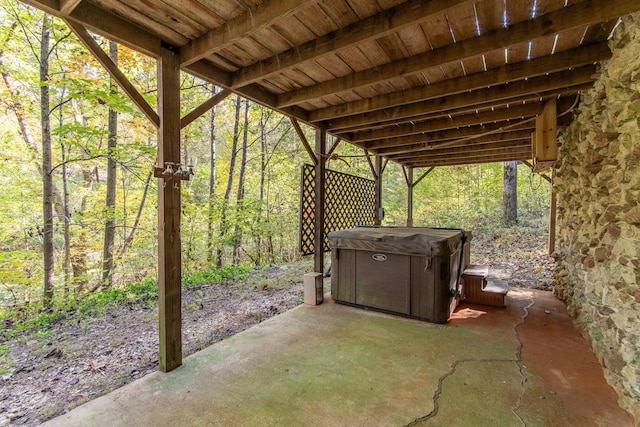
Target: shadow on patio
point(334, 365)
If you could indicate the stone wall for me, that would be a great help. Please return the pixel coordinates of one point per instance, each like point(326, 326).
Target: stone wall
point(598, 188)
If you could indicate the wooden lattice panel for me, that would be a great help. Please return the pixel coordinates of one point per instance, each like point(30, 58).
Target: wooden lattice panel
point(349, 202)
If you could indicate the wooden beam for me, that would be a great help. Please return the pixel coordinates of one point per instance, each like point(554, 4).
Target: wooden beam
point(104, 23)
point(371, 166)
point(375, 27)
point(303, 139)
point(446, 135)
point(508, 73)
point(480, 150)
point(413, 114)
point(114, 71)
point(335, 145)
point(208, 72)
point(204, 107)
point(423, 176)
point(567, 18)
point(67, 6)
point(545, 137)
point(253, 20)
point(394, 153)
point(319, 213)
point(169, 211)
point(530, 166)
point(503, 157)
point(499, 115)
point(538, 86)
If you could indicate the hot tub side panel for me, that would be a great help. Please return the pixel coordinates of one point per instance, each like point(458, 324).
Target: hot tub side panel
point(403, 284)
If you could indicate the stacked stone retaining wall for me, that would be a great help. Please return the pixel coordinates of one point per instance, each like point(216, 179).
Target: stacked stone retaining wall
point(598, 239)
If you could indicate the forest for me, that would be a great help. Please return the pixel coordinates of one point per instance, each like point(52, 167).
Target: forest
point(80, 198)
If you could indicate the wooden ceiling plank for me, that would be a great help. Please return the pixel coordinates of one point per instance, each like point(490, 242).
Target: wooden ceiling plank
point(512, 72)
point(115, 72)
point(513, 155)
point(521, 111)
point(538, 85)
point(371, 28)
point(316, 20)
point(565, 19)
point(518, 10)
point(417, 149)
point(169, 17)
point(196, 12)
point(105, 24)
point(527, 110)
point(168, 35)
point(452, 136)
point(246, 24)
point(472, 150)
point(415, 115)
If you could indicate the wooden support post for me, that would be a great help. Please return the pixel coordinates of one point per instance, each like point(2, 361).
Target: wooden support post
point(169, 251)
point(409, 178)
point(379, 169)
point(320, 179)
point(552, 218)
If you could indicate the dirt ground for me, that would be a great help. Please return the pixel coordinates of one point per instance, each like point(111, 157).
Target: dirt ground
point(80, 358)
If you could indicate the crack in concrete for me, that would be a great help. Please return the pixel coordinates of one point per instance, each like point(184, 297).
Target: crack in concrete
point(454, 366)
point(523, 377)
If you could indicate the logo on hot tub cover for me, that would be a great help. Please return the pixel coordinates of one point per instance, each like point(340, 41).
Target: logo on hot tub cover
point(379, 257)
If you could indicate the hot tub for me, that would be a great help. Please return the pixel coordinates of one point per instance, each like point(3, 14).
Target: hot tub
point(413, 271)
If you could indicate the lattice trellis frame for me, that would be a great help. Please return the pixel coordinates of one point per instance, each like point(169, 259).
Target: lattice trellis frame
point(349, 202)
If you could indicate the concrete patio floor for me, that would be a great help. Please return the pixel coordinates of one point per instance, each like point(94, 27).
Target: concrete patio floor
point(334, 365)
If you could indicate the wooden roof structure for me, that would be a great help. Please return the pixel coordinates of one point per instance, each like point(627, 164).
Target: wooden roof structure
point(422, 83)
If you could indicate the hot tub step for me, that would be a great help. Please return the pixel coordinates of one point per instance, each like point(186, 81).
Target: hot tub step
point(492, 294)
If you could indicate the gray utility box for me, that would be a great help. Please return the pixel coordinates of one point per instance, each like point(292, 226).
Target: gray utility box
point(408, 271)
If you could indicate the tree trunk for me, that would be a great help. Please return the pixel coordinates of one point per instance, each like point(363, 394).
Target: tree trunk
point(110, 203)
point(237, 243)
point(67, 217)
point(259, 238)
point(227, 193)
point(47, 178)
point(510, 194)
point(129, 240)
point(212, 181)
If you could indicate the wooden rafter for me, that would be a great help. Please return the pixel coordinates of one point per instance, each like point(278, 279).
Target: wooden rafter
point(510, 155)
point(576, 16)
point(106, 24)
point(246, 24)
point(372, 28)
point(395, 153)
point(508, 73)
point(558, 83)
point(517, 112)
point(483, 149)
point(433, 138)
